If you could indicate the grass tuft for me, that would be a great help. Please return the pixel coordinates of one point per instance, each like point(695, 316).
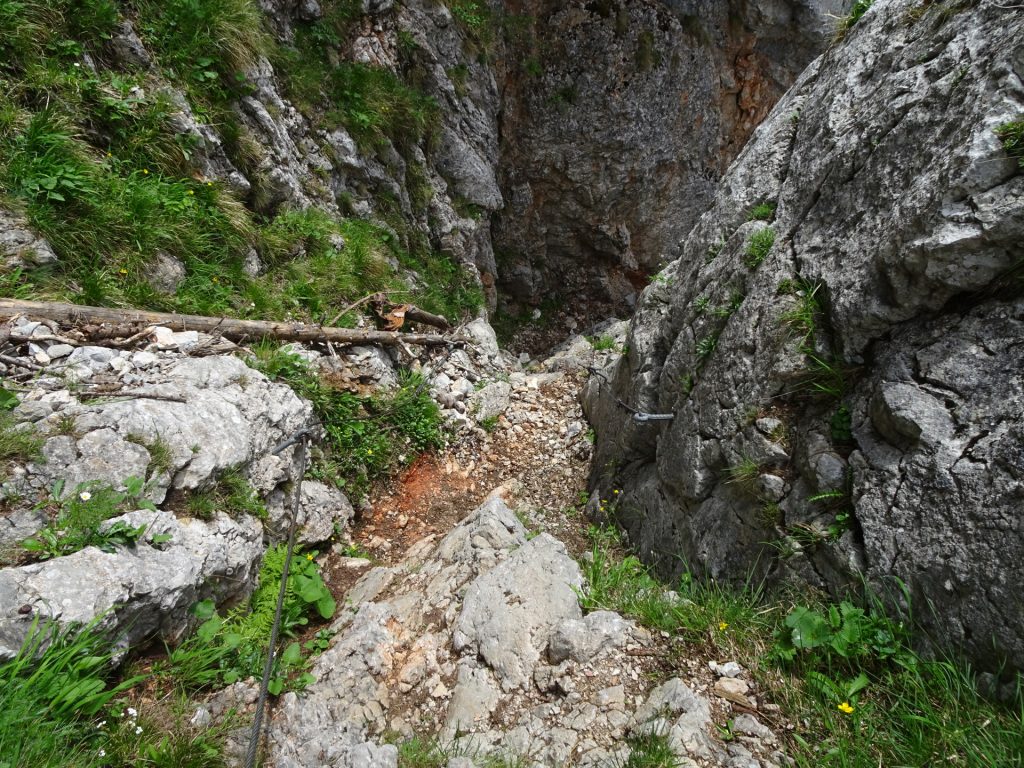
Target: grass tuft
point(760, 244)
point(762, 212)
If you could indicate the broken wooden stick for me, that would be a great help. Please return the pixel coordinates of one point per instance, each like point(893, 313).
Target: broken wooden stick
point(118, 323)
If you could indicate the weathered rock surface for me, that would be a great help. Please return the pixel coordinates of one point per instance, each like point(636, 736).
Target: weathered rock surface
point(200, 416)
point(619, 118)
point(898, 219)
point(479, 638)
point(141, 593)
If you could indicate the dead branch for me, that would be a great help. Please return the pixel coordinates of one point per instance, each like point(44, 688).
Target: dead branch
point(106, 323)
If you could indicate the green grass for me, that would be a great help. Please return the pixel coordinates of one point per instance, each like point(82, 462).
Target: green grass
point(92, 158)
point(826, 375)
point(204, 44)
point(760, 244)
point(601, 343)
point(1012, 136)
point(373, 104)
point(898, 709)
point(50, 695)
point(18, 442)
point(743, 474)
point(762, 212)
point(650, 749)
point(231, 494)
point(59, 707)
point(160, 459)
point(859, 8)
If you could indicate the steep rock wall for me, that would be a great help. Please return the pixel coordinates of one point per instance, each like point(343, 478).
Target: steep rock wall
point(848, 401)
point(619, 118)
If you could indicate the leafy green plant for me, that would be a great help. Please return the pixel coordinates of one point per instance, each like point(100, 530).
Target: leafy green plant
point(759, 245)
point(602, 343)
point(80, 520)
point(226, 649)
point(842, 633)
point(706, 346)
point(367, 437)
point(841, 425)
point(1012, 136)
point(472, 13)
point(861, 696)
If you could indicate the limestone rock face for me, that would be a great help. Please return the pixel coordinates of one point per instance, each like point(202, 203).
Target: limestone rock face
point(479, 638)
point(619, 119)
point(848, 400)
point(139, 593)
point(206, 416)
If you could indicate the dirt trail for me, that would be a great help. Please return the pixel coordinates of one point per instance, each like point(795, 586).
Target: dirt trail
point(538, 451)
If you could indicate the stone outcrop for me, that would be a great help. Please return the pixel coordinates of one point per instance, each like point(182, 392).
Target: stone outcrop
point(479, 638)
point(847, 402)
point(170, 425)
point(140, 593)
point(619, 118)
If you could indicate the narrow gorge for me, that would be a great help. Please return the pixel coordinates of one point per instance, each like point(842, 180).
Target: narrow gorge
point(663, 405)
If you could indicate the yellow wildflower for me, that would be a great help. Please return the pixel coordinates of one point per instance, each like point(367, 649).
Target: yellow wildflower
point(145, 171)
point(845, 707)
point(723, 625)
point(309, 557)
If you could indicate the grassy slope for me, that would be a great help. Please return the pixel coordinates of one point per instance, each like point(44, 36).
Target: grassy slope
point(88, 153)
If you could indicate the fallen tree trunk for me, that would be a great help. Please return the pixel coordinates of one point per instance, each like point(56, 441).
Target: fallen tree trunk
point(118, 323)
